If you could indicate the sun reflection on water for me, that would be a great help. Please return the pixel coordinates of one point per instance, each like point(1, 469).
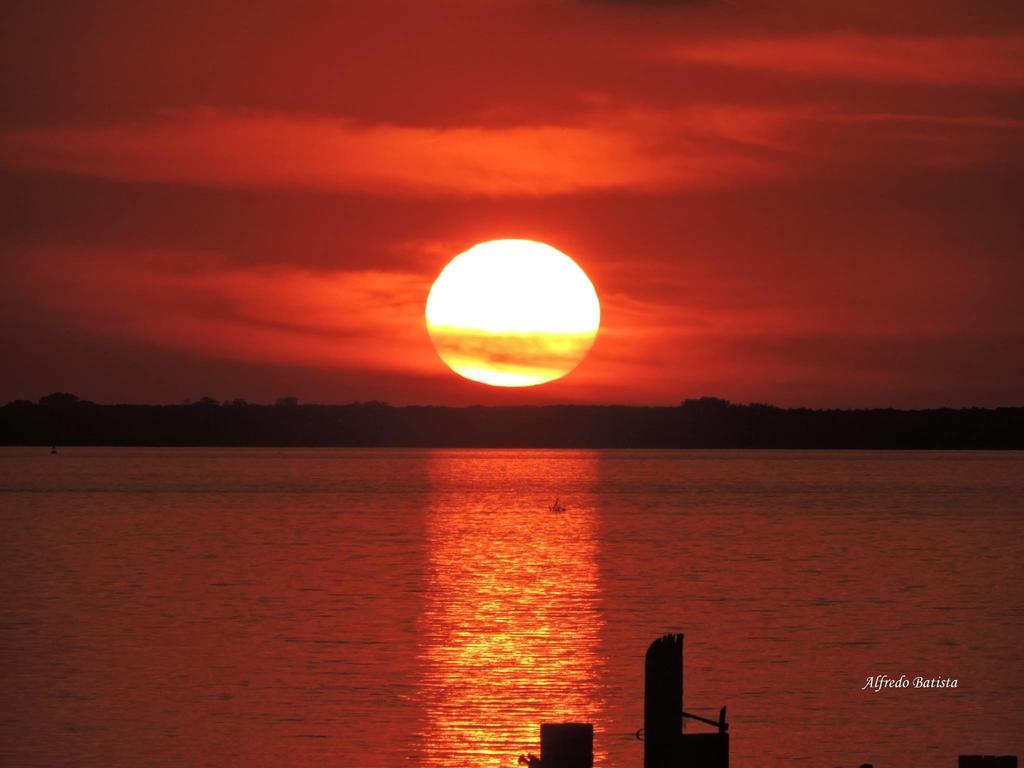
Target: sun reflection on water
point(511, 620)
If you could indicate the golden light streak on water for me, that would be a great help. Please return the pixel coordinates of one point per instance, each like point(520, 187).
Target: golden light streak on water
point(512, 619)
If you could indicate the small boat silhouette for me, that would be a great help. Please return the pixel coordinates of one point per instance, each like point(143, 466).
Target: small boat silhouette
point(53, 450)
point(557, 506)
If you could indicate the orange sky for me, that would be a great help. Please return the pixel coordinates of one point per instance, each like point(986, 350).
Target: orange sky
point(799, 202)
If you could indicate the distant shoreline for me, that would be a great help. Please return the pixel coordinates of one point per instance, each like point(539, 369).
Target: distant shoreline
point(701, 423)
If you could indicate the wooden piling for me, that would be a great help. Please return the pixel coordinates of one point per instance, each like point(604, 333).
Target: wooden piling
point(567, 745)
point(663, 700)
point(987, 761)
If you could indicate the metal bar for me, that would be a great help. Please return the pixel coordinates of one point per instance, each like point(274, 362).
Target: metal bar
point(719, 724)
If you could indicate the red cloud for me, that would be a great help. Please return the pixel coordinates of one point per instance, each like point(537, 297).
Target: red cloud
point(980, 61)
point(634, 150)
point(372, 320)
point(700, 146)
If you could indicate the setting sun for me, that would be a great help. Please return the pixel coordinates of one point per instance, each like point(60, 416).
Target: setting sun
point(512, 313)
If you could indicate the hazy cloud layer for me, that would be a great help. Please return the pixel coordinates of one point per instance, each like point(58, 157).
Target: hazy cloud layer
point(979, 61)
point(632, 151)
point(277, 314)
point(703, 146)
point(719, 334)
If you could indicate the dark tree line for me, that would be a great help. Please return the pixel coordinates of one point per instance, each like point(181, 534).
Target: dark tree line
point(62, 419)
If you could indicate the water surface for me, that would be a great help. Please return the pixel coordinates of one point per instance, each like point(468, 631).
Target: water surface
point(378, 608)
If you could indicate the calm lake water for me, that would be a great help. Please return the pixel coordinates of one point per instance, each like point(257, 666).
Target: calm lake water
point(380, 608)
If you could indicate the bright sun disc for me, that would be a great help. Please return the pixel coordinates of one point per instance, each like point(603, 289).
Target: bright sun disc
point(512, 313)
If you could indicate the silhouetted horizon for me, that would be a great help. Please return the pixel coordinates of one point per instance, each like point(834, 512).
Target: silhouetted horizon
point(705, 422)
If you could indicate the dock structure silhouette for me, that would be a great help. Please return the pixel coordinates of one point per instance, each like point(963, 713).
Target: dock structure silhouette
point(666, 744)
point(563, 745)
point(571, 745)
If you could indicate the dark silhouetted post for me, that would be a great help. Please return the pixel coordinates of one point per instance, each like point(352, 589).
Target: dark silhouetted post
point(663, 700)
point(567, 745)
point(665, 744)
point(987, 761)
